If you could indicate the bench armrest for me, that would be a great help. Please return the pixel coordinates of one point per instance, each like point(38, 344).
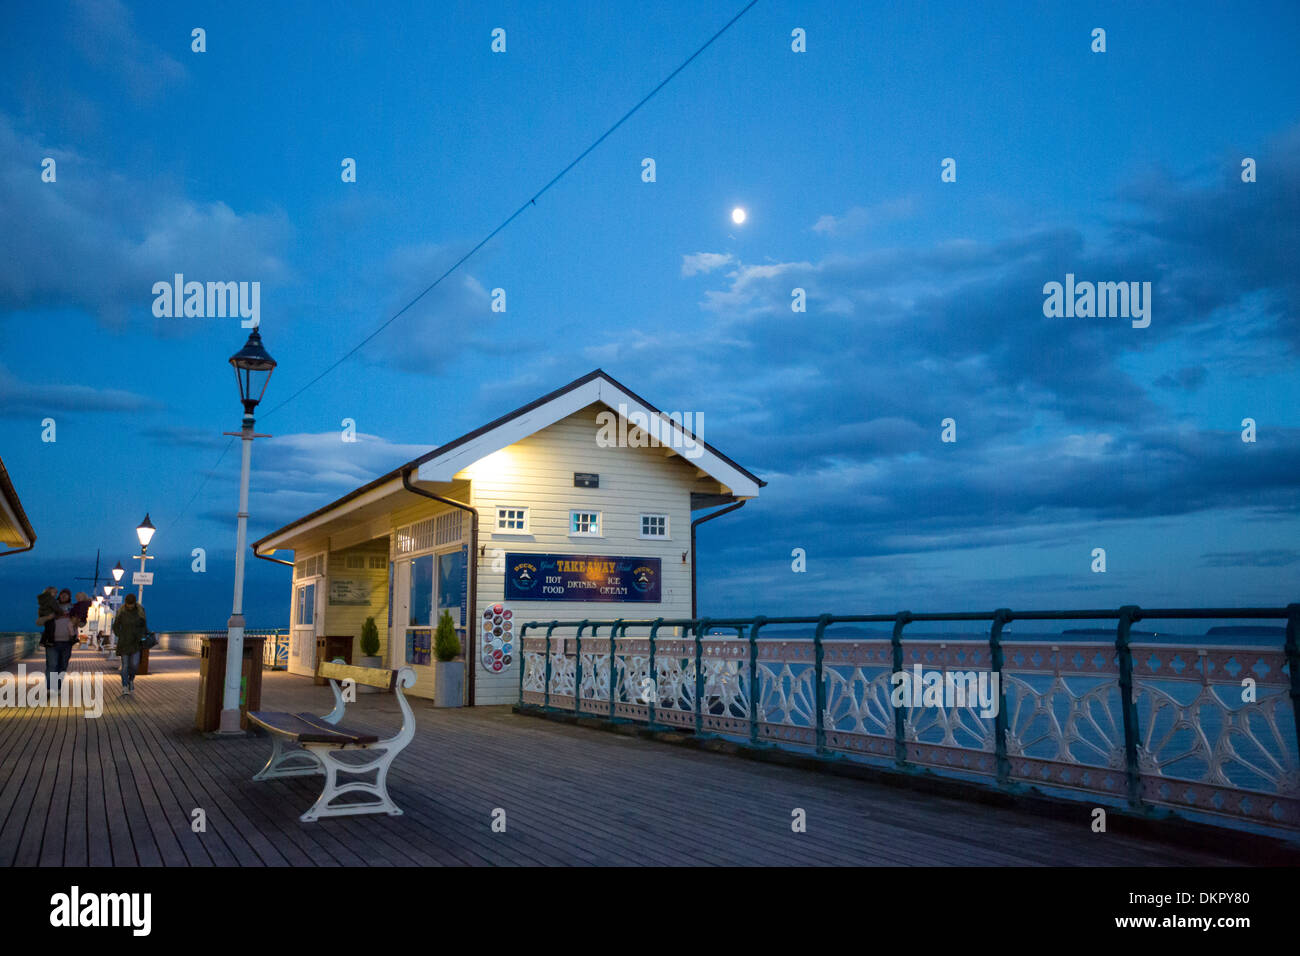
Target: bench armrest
point(335, 715)
point(405, 678)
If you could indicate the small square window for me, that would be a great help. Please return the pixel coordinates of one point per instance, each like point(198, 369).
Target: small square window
point(654, 526)
point(512, 521)
point(584, 523)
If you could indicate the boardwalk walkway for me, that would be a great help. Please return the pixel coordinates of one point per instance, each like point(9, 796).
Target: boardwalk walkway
point(120, 790)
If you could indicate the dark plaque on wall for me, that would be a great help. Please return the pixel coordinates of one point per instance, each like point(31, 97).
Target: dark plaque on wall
point(585, 479)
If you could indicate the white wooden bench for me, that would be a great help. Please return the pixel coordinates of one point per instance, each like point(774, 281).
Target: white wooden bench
point(305, 744)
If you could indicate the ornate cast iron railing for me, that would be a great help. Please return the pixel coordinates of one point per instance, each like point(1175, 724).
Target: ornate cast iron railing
point(1157, 727)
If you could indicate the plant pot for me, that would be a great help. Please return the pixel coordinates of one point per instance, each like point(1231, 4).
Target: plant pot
point(448, 684)
point(370, 662)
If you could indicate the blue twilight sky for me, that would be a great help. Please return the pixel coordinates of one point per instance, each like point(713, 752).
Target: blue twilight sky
point(924, 298)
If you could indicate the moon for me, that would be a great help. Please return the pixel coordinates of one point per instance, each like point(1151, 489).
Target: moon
point(738, 215)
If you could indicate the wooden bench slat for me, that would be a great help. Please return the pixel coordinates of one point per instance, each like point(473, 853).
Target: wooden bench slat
point(326, 727)
point(380, 677)
point(308, 731)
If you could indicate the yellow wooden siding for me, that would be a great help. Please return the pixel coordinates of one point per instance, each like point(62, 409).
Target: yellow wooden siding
point(537, 473)
point(348, 618)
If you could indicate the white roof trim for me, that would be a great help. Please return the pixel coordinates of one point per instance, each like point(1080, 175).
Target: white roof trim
point(299, 531)
point(446, 467)
point(20, 539)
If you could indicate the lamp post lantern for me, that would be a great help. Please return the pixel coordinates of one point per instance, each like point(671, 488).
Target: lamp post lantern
point(144, 531)
point(253, 366)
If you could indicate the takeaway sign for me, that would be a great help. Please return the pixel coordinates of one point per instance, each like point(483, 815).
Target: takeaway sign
point(582, 577)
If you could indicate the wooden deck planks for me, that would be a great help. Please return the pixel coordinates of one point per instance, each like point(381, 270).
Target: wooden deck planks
point(120, 790)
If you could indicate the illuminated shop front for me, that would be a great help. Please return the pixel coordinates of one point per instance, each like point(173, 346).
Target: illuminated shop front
point(554, 510)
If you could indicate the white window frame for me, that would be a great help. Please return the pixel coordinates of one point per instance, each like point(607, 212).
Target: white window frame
point(666, 536)
point(300, 605)
point(600, 522)
point(496, 526)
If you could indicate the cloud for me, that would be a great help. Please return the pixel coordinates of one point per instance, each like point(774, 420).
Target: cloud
point(295, 474)
point(1230, 242)
point(98, 240)
point(860, 218)
point(1266, 558)
point(1187, 379)
point(449, 321)
point(181, 436)
point(20, 399)
point(105, 37)
point(704, 262)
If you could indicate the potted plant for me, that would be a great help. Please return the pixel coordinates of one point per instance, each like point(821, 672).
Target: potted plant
point(449, 675)
point(370, 651)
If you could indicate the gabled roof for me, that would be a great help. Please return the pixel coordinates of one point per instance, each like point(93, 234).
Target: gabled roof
point(443, 462)
point(15, 530)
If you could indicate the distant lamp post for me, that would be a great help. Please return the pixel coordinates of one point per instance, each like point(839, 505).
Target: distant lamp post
point(145, 532)
point(253, 366)
point(118, 572)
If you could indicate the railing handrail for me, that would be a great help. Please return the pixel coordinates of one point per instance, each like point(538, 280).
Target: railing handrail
point(1262, 613)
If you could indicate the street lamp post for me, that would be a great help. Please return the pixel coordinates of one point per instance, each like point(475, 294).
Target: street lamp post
point(110, 590)
point(145, 532)
point(253, 366)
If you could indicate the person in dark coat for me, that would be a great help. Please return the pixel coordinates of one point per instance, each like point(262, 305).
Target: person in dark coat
point(130, 628)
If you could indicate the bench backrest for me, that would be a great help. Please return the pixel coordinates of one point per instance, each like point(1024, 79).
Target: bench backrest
point(380, 677)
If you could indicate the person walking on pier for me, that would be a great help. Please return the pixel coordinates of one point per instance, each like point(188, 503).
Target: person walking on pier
point(130, 628)
point(59, 653)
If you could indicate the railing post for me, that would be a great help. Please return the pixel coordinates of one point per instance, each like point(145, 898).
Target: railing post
point(700, 625)
point(900, 716)
point(654, 676)
point(577, 665)
point(753, 678)
point(523, 661)
point(1292, 648)
point(1128, 706)
point(1001, 617)
point(613, 660)
point(546, 699)
point(819, 694)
